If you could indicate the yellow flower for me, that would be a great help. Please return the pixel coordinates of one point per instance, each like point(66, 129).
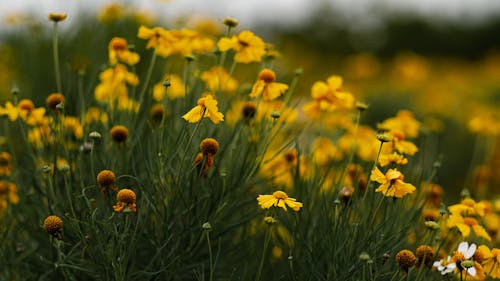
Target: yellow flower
point(11, 111)
point(392, 184)
point(328, 97)
point(248, 47)
point(8, 192)
point(5, 164)
point(118, 51)
point(175, 90)
point(95, 115)
point(155, 35)
point(207, 107)
point(324, 151)
point(73, 126)
point(399, 144)
point(111, 12)
point(468, 207)
point(217, 79)
point(168, 42)
point(393, 158)
point(113, 84)
point(403, 122)
point(278, 199)
point(491, 262)
point(466, 224)
point(37, 117)
point(266, 87)
point(125, 199)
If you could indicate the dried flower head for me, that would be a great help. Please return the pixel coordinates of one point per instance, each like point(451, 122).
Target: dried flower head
point(53, 225)
point(209, 146)
point(230, 22)
point(157, 112)
point(125, 200)
point(57, 17)
point(53, 100)
point(106, 179)
point(249, 110)
point(119, 133)
point(27, 105)
point(425, 255)
point(405, 259)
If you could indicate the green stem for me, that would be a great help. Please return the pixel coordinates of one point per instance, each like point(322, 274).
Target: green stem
point(148, 77)
point(373, 168)
point(56, 58)
point(353, 150)
point(210, 256)
point(187, 146)
point(264, 250)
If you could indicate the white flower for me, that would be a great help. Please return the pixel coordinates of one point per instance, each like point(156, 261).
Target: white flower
point(445, 267)
point(467, 251)
point(463, 253)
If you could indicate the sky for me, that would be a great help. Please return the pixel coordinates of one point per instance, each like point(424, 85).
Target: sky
point(286, 12)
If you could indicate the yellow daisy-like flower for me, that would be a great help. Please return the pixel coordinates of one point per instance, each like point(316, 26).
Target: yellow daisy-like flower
point(125, 199)
point(267, 87)
point(393, 158)
point(8, 192)
point(466, 224)
point(328, 97)
point(5, 164)
point(392, 184)
point(248, 47)
point(404, 122)
point(207, 107)
point(491, 261)
point(278, 199)
point(155, 35)
point(11, 111)
point(176, 88)
point(217, 79)
point(118, 51)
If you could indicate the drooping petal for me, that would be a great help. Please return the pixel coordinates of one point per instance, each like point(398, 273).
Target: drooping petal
point(194, 115)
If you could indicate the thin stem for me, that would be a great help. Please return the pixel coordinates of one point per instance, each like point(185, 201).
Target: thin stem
point(264, 249)
point(56, 58)
point(187, 146)
point(148, 77)
point(210, 256)
point(353, 149)
point(373, 168)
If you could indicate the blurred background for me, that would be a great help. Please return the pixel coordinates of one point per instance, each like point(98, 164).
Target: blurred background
point(439, 59)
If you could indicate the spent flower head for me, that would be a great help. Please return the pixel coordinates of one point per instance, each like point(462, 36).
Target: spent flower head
point(125, 201)
point(53, 225)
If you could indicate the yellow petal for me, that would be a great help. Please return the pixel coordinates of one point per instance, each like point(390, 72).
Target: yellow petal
point(194, 115)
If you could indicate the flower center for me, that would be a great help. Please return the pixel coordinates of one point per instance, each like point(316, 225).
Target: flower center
point(267, 76)
point(470, 221)
point(243, 43)
point(280, 195)
point(119, 45)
